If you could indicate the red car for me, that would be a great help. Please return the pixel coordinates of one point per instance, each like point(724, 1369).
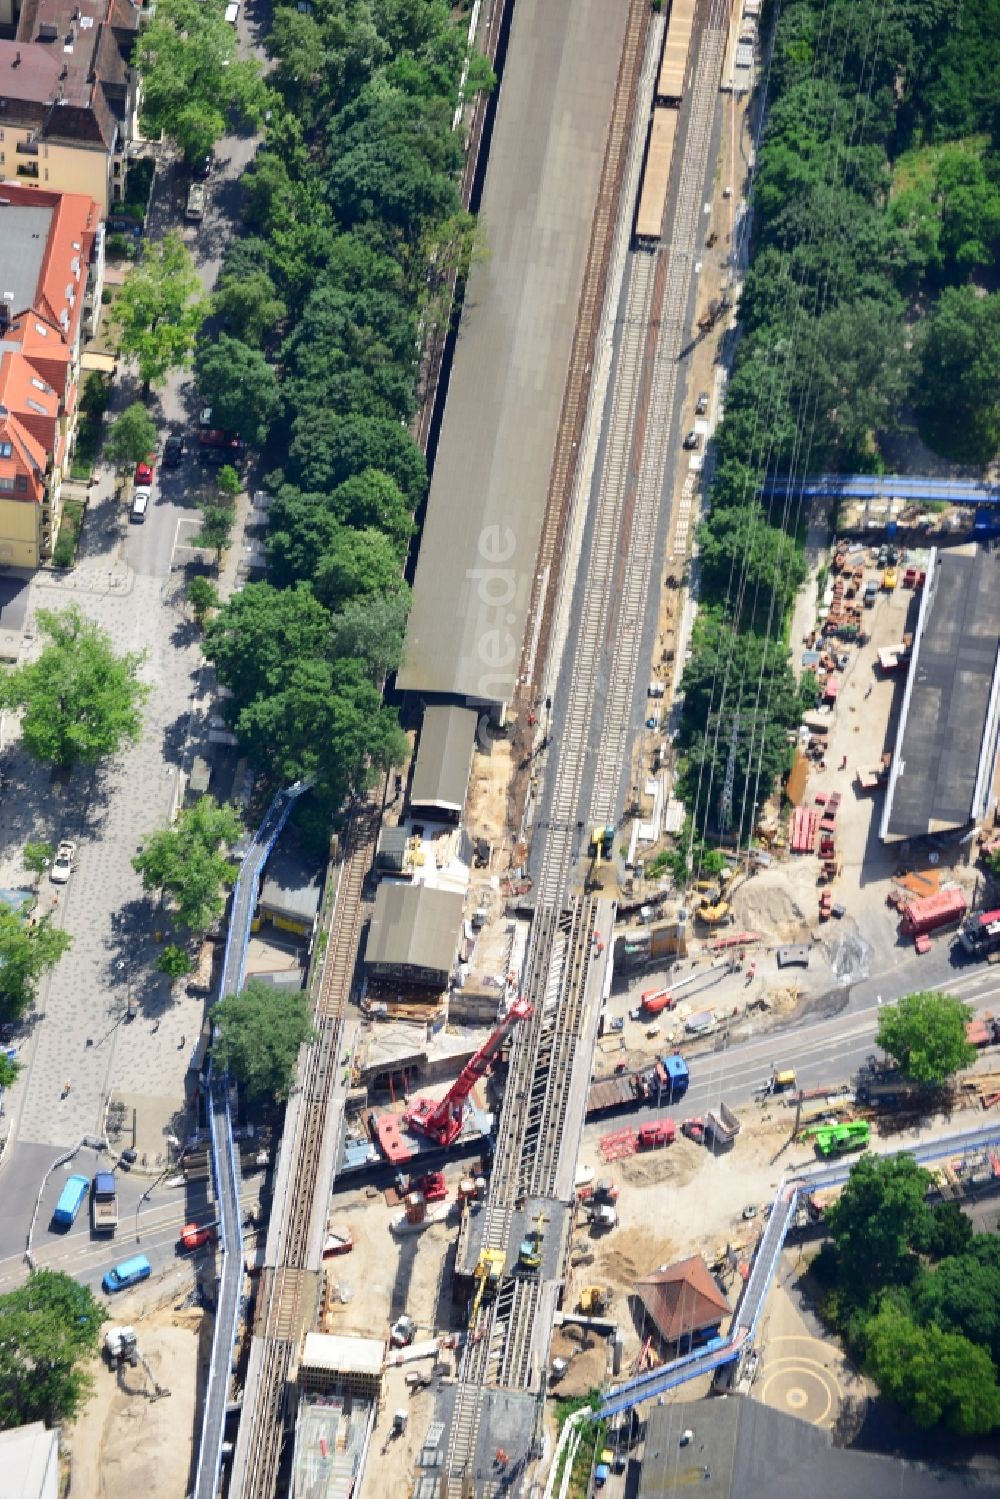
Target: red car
point(194, 1235)
point(143, 475)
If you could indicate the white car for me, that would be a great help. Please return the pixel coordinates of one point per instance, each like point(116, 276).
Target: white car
point(62, 864)
point(140, 503)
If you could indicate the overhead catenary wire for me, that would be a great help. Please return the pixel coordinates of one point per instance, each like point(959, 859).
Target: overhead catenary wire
point(718, 699)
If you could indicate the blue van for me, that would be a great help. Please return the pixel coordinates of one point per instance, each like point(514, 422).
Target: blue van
point(70, 1201)
point(128, 1273)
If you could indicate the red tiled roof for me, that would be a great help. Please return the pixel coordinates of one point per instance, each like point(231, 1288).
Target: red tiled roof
point(683, 1299)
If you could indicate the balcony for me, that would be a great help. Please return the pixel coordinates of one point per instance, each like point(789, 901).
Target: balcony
point(29, 170)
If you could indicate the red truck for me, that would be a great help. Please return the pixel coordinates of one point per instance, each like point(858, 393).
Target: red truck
point(933, 912)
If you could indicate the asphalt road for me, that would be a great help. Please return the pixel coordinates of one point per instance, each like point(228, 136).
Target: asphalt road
point(824, 1052)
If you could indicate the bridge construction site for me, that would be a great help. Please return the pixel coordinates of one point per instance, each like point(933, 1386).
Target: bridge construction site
point(537, 609)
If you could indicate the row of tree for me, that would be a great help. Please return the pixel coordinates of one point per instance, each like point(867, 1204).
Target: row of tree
point(354, 223)
point(876, 203)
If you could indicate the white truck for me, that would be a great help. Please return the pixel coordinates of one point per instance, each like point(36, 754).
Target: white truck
point(104, 1203)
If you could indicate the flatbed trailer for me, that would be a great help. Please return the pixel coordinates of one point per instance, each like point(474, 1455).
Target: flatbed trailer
point(673, 67)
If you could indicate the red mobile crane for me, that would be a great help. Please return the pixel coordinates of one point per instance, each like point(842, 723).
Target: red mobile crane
point(440, 1119)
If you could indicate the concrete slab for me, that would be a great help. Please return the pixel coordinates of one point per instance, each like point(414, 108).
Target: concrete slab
point(490, 483)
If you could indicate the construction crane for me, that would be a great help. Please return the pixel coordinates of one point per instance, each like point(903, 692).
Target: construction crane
point(440, 1119)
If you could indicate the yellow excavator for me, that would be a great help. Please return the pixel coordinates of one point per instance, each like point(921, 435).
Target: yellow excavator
point(602, 858)
point(713, 904)
point(594, 1300)
point(488, 1272)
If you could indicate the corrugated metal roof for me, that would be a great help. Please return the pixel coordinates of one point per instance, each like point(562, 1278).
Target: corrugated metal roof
point(444, 759)
point(414, 926)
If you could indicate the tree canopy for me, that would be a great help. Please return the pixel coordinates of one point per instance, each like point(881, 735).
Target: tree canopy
point(191, 75)
point(50, 1328)
point(26, 953)
point(240, 386)
point(939, 1378)
point(160, 308)
point(259, 1035)
point(186, 864)
point(880, 1220)
point(925, 1033)
point(958, 392)
point(132, 437)
point(80, 702)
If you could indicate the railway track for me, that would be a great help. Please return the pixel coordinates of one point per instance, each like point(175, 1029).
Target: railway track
point(290, 1281)
point(630, 585)
point(611, 604)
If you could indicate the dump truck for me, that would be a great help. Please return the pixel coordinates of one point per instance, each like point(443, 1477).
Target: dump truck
point(933, 912)
point(723, 1125)
point(104, 1203)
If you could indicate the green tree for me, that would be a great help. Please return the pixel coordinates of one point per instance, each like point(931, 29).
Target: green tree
point(958, 393)
point(328, 449)
point(228, 481)
point(358, 564)
point(740, 547)
point(80, 702)
point(925, 1034)
point(239, 385)
point(258, 1038)
point(174, 961)
point(258, 634)
point(325, 721)
point(132, 437)
point(191, 75)
point(879, 1222)
point(203, 596)
point(216, 529)
point(37, 857)
point(249, 306)
point(10, 1071)
point(962, 1294)
point(186, 865)
point(372, 631)
point(50, 1328)
point(26, 953)
point(160, 309)
point(939, 1378)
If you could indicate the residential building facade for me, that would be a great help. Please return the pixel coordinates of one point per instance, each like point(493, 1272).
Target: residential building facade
point(51, 274)
point(69, 96)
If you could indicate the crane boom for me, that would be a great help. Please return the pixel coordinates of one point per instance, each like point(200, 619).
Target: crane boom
point(440, 1119)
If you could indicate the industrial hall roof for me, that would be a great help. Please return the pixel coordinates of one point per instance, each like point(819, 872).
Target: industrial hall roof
point(682, 1299)
point(444, 759)
point(414, 926)
point(942, 769)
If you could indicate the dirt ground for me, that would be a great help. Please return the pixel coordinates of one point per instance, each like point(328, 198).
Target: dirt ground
point(386, 1275)
point(674, 1203)
point(127, 1443)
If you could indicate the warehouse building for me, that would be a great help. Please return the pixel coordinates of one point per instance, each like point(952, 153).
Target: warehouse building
point(944, 762)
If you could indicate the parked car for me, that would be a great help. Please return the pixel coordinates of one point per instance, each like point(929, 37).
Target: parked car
point(195, 209)
point(62, 864)
point(140, 504)
point(693, 439)
point(195, 1235)
point(173, 452)
point(143, 475)
point(702, 405)
point(233, 12)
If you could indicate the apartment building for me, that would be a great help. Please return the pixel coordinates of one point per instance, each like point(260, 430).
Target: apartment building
point(68, 95)
point(51, 275)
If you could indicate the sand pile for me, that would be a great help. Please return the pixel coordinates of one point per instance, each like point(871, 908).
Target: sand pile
point(767, 904)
